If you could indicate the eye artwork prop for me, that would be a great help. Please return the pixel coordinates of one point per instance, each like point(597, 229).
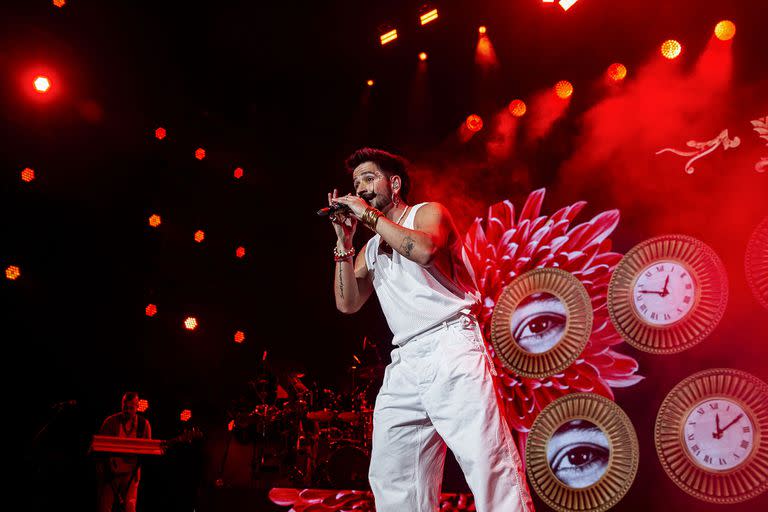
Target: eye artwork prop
point(538, 322)
point(578, 453)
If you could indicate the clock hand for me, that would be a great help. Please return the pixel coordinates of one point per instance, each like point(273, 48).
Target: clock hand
point(717, 435)
point(737, 418)
point(664, 292)
point(652, 291)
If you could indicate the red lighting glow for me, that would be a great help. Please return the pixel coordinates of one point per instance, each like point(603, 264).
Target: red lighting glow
point(388, 37)
point(567, 4)
point(239, 337)
point(27, 175)
point(199, 235)
point(240, 252)
point(482, 29)
point(42, 84)
point(517, 108)
point(428, 16)
point(231, 425)
point(474, 123)
point(423, 56)
point(12, 272)
point(143, 405)
point(370, 83)
point(725, 30)
point(150, 310)
point(154, 220)
point(671, 49)
point(563, 89)
point(160, 133)
point(59, 3)
point(199, 153)
point(190, 323)
point(238, 173)
point(617, 72)
point(185, 415)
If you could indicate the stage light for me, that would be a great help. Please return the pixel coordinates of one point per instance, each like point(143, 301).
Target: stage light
point(27, 175)
point(150, 310)
point(160, 133)
point(12, 272)
point(370, 83)
point(143, 405)
point(240, 252)
point(567, 4)
point(59, 3)
point(238, 173)
point(190, 323)
point(725, 30)
point(548, 1)
point(388, 37)
point(428, 16)
point(185, 415)
point(199, 153)
point(239, 337)
point(474, 123)
point(42, 84)
point(563, 89)
point(617, 72)
point(155, 220)
point(517, 108)
point(199, 235)
point(231, 425)
point(482, 29)
point(670, 49)
point(423, 56)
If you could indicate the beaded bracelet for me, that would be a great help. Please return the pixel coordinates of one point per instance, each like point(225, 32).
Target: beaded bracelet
point(342, 256)
point(371, 217)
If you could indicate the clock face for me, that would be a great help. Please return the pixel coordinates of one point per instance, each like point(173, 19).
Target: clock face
point(664, 293)
point(719, 435)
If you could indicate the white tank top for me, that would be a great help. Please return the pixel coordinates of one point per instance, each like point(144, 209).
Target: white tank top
point(414, 298)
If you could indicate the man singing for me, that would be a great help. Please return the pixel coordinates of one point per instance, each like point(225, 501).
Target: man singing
point(438, 389)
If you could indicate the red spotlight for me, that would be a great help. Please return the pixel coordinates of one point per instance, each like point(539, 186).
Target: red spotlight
point(482, 29)
point(185, 415)
point(160, 133)
point(239, 337)
point(238, 173)
point(199, 235)
point(370, 83)
point(150, 310)
point(428, 16)
point(42, 84)
point(199, 153)
point(517, 108)
point(563, 89)
point(617, 72)
point(12, 272)
point(388, 37)
point(725, 30)
point(240, 252)
point(567, 4)
point(154, 220)
point(671, 49)
point(231, 425)
point(423, 56)
point(474, 123)
point(143, 405)
point(27, 175)
point(190, 323)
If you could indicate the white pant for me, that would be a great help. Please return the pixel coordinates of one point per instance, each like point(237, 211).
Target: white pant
point(438, 391)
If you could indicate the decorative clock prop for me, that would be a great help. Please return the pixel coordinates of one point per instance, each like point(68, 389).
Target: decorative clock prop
point(756, 263)
point(582, 453)
point(541, 322)
point(712, 435)
point(667, 294)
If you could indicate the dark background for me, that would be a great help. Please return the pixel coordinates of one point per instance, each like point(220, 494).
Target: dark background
point(279, 90)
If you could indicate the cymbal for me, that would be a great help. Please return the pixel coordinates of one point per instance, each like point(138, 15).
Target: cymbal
point(321, 415)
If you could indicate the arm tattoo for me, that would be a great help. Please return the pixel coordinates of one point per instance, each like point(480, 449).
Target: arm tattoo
point(407, 245)
point(341, 281)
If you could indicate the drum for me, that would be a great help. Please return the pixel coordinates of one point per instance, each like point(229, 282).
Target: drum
point(346, 467)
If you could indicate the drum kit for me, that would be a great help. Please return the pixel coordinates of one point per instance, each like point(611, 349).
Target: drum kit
point(314, 437)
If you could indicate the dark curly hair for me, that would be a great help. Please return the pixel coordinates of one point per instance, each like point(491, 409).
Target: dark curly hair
point(390, 164)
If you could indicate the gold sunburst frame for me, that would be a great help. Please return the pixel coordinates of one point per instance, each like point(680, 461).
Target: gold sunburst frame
point(622, 462)
point(711, 296)
point(744, 482)
point(756, 263)
point(578, 325)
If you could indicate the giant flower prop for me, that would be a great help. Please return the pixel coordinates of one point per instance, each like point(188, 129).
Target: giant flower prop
point(501, 248)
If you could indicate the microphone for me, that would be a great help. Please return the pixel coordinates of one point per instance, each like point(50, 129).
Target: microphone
point(329, 210)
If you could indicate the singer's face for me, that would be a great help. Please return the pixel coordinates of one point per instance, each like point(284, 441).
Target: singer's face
point(372, 185)
point(130, 407)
